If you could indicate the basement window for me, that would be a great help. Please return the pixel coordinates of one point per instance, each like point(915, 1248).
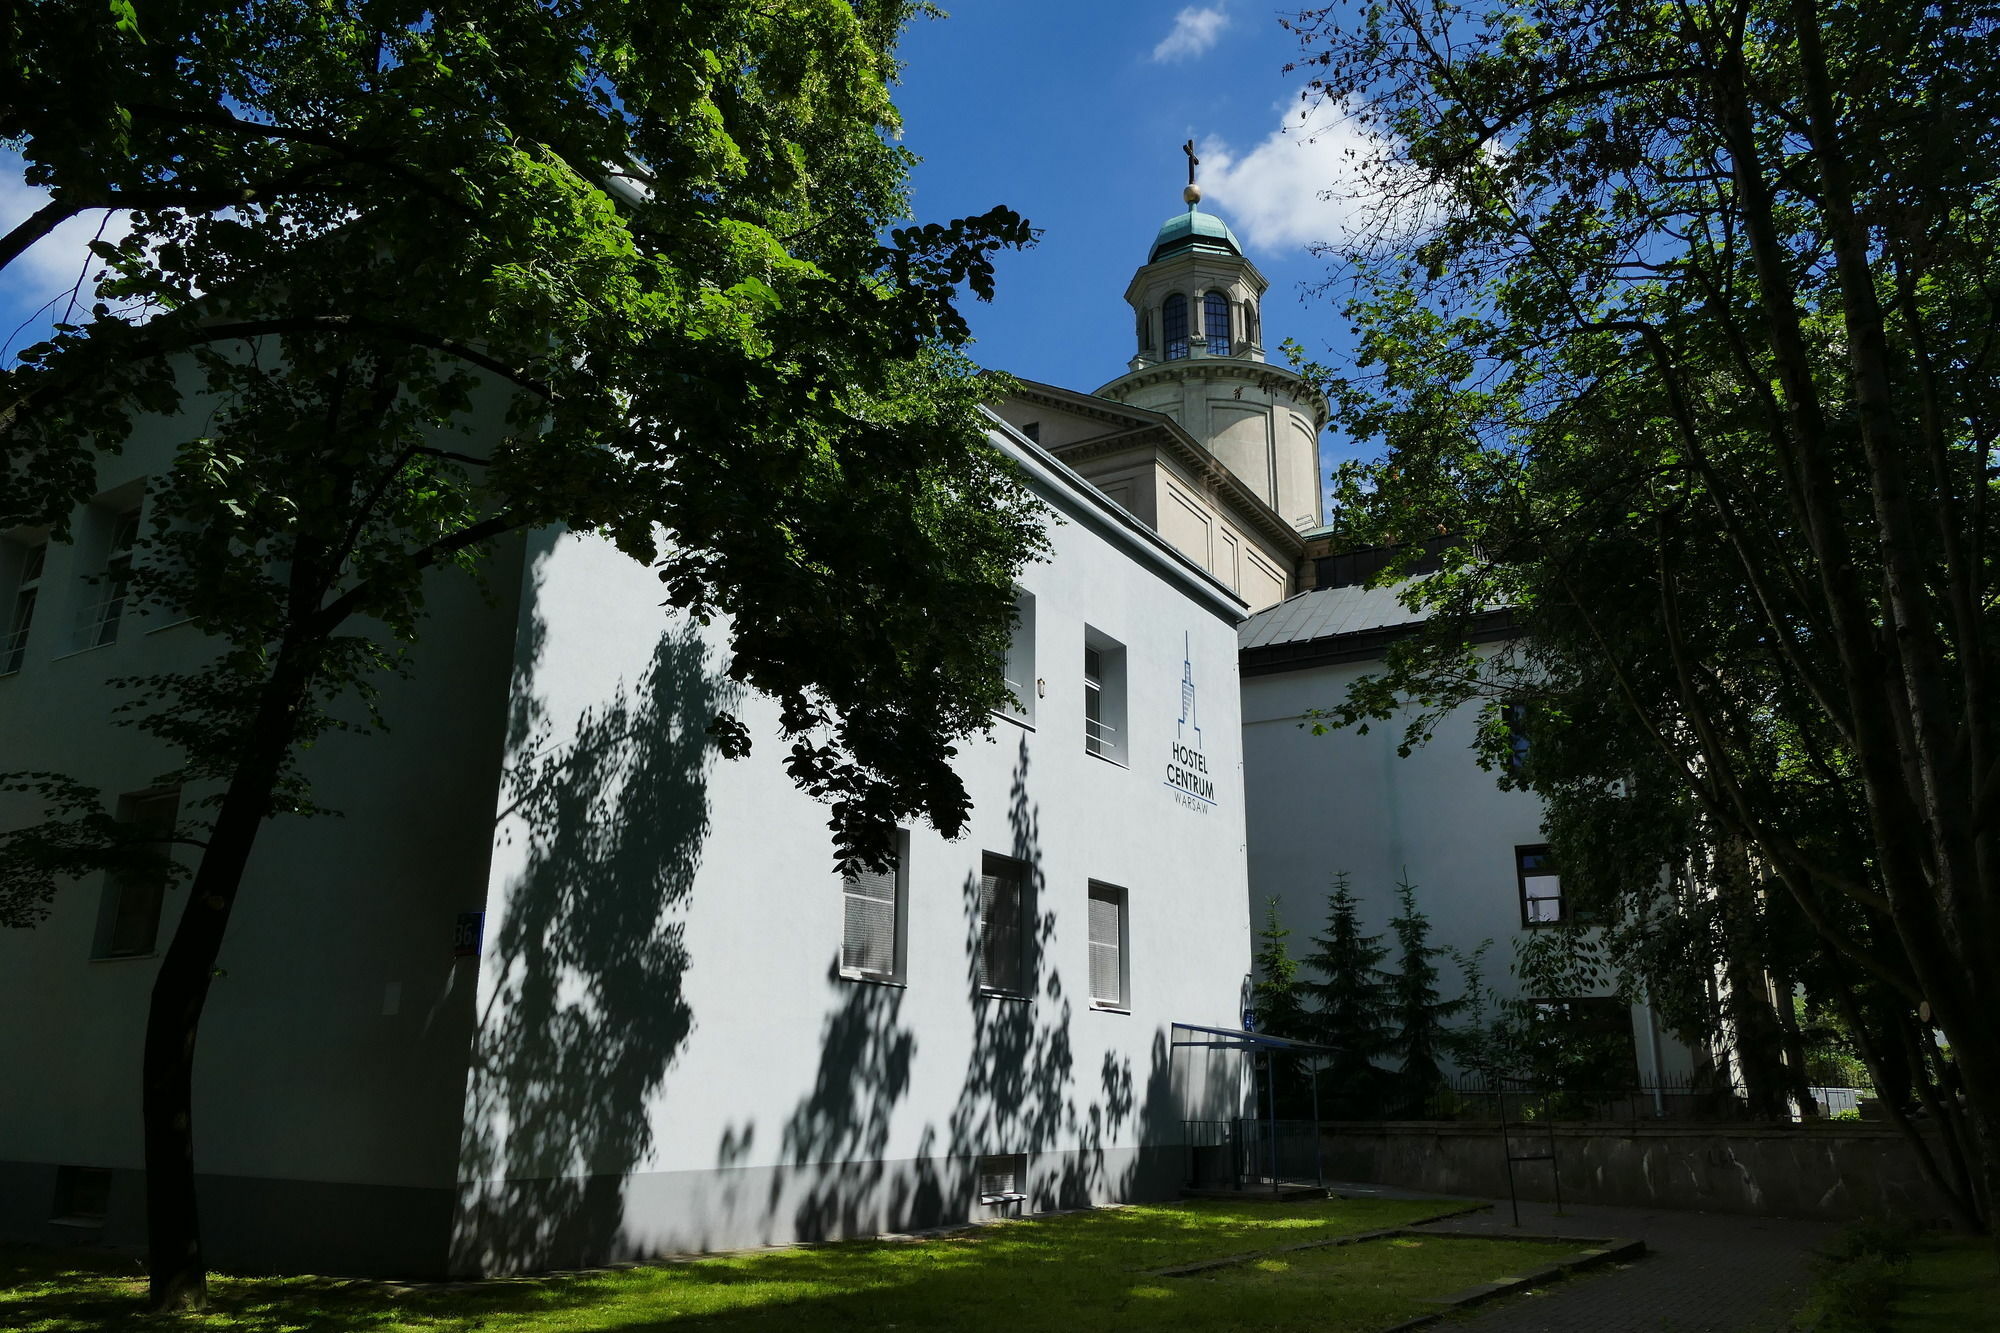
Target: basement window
point(83, 1196)
point(1001, 1179)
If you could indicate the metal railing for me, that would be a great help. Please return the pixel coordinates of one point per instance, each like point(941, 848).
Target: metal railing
point(1246, 1153)
point(1472, 1097)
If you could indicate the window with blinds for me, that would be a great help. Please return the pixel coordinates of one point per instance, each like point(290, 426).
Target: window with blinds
point(1002, 925)
point(872, 931)
point(1107, 946)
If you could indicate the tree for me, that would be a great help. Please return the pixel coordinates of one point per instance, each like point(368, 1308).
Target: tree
point(1277, 993)
point(1421, 1013)
point(403, 280)
point(1682, 335)
point(1351, 1001)
point(1280, 1001)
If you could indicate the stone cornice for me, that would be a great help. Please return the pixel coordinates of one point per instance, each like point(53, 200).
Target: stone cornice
point(1142, 427)
point(1270, 378)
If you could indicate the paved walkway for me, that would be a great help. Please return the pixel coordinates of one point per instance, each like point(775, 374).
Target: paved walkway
point(1703, 1272)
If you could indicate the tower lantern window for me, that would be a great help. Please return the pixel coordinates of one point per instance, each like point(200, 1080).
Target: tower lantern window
point(1174, 326)
point(1215, 323)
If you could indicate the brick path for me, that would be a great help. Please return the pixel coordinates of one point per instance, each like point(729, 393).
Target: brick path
point(1703, 1272)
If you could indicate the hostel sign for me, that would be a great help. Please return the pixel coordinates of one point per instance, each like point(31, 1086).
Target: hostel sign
point(1188, 777)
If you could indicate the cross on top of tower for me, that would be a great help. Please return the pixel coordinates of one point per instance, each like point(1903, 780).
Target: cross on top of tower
point(1192, 194)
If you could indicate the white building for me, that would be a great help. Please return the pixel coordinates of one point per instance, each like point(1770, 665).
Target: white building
point(1218, 451)
point(1347, 801)
point(565, 987)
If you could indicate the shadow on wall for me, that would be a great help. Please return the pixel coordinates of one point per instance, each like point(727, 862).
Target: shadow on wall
point(585, 1014)
point(1019, 1094)
point(1020, 1090)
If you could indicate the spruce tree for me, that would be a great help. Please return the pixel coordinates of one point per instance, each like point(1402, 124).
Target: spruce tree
point(1280, 1006)
point(1351, 999)
point(1281, 1012)
point(1415, 1003)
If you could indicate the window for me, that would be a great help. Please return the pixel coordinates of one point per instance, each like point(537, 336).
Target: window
point(1001, 1179)
point(1003, 935)
point(1174, 326)
point(1104, 696)
point(1515, 715)
point(1215, 323)
point(129, 919)
point(83, 1195)
point(1250, 330)
point(1541, 887)
point(109, 587)
point(871, 938)
point(1145, 331)
point(1020, 666)
point(31, 561)
point(1108, 982)
point(1033, 430)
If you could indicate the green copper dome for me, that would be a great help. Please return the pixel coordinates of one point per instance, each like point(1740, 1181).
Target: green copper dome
point(1193, 230)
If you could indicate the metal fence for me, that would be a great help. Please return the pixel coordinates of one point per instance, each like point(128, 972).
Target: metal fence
point(1471, 1097)
point(1248, 1154)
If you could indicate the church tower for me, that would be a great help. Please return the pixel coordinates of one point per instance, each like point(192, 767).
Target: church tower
point(1199, 359)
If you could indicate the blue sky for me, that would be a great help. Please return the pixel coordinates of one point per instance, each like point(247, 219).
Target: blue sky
point(1072, 113)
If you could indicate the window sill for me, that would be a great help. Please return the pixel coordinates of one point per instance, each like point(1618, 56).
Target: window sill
point(80, 1223)
point(873, 979)
point(1102, 1007)
point(123, 957)
point(1024, 723)
point(1115, 763)
point(79, 652)
point(1001, 1200)
point(989, 993)
point(171, 624)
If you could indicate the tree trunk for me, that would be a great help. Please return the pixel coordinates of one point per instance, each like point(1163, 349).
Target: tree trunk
point(1793, 1046)
point(178, 1272)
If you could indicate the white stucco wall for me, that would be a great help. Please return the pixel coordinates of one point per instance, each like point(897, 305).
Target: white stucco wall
point(1347, 801)
point(330, 1067)
point(668, 1057)
point(655, 1051)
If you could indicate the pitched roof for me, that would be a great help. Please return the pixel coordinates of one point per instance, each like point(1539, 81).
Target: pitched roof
point(1325, 613)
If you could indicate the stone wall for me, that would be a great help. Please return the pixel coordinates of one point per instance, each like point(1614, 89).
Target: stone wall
point(1832, 1171)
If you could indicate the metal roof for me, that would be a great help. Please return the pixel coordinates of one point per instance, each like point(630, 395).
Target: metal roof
point(1325, 613)
point(1193, 228)
point(1237, 1039)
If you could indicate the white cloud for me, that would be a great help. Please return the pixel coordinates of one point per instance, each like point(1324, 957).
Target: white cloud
point(1194, 31)
point(1308, 181)
point(47, 270)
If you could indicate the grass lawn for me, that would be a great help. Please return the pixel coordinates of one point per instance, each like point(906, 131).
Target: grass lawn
point(1086, 1270)
point(1952, 1284)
